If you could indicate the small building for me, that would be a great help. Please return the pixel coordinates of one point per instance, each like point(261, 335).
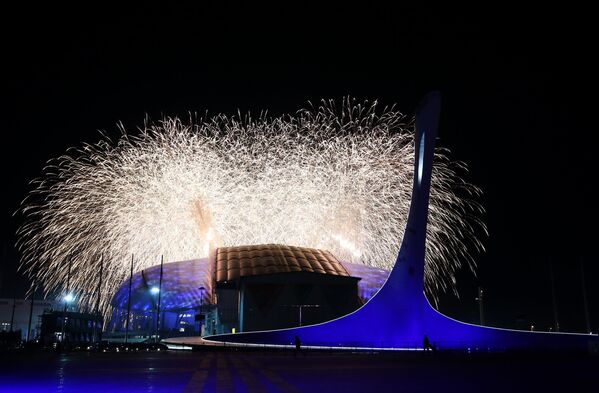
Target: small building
point(14, 315)
point(69, 327)
point(274, 286)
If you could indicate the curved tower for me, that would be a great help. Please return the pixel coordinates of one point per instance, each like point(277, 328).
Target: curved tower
point(399, 315)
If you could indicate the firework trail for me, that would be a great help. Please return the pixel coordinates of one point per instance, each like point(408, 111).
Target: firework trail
point(331, 177)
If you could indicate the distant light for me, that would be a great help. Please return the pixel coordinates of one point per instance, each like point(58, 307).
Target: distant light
point(154, 290)
point(69, 297)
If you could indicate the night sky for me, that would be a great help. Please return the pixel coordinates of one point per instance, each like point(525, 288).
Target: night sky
point(519, 107)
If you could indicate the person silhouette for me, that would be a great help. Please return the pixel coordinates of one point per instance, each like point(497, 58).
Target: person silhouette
point(426, 344)
point(298, 345)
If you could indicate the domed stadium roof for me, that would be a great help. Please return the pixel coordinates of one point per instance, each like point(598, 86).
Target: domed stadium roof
point(233, 263)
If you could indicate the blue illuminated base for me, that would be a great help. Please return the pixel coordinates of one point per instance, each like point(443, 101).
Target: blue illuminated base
point(399, 315)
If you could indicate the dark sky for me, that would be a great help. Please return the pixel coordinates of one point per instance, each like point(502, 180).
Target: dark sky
point(519, 102)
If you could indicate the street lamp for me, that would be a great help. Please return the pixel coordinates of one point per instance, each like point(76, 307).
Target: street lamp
point(155, 291)
point(68, 298)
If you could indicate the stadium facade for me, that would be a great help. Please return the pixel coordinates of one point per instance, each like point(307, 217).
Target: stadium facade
point(241, 289)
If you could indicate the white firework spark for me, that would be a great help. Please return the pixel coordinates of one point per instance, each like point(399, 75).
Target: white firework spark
point(333, 178)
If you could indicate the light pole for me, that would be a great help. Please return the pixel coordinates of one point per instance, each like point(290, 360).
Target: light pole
point(159, 298)
point(155, 291)
point(30, 311)
point(553, 297)
point(129, 303)
point(14, 300)
point(68, 298)
point(97, 308)
point(202, 289)
point(584, 297)
point(300, 307)
point(480, 306)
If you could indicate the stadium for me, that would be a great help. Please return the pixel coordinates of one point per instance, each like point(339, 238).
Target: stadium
point(241, 289)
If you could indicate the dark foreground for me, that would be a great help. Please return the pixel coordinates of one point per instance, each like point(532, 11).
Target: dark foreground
point(231, 371)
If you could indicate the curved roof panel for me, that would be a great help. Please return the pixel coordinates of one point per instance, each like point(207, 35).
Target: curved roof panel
point(233, 263)
point(181, 283)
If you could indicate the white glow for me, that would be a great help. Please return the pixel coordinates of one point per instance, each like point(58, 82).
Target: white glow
point(347, 245)
point(154, 290)
point(336, 177)
point(421, 158)
point(69, 297)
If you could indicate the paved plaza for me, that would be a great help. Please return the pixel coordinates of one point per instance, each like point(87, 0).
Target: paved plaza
point(243, 371)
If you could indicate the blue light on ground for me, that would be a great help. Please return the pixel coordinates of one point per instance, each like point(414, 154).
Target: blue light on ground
point(239, 371)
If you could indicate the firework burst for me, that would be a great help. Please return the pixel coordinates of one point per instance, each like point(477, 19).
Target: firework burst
point(336, 178)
